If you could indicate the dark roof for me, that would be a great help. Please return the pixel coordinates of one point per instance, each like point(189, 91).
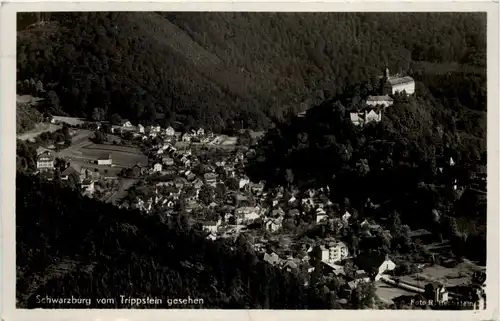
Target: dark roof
point(369, 261)
point(46, 155)
point(420, 232)
point(380, 98)
point(70, 170)
point(399, 80)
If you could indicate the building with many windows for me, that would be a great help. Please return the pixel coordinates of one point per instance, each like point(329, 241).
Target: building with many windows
point(45, 161)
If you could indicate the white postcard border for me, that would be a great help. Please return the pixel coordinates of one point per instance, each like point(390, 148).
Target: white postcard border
point(8, 167)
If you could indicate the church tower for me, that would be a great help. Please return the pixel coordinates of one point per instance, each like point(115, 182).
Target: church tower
point(386, 73)
point(383, 80)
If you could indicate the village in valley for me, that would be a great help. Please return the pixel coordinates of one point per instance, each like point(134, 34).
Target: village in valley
point(201, 175)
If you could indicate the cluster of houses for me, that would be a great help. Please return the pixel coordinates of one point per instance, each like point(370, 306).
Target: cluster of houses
point(84, 177)
point(248, 206)
point(169, 134)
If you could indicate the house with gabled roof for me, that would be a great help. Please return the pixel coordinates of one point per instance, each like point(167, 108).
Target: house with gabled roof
point(272, 258)
point(169, 131)
point(45, 161)
point(396, 84)
point(70, 171)
point(374, 264)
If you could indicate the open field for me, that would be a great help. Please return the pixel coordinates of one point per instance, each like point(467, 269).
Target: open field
point(387, 292)
point(84, 153)
point(458, 275)
point(39, 128)
point(73, 121)
point(122, 156)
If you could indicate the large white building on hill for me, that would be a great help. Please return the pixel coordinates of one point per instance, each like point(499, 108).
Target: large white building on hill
point(394, 84)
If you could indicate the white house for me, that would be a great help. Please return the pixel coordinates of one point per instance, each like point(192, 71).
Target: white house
point(45, 161)
point(168, 161)
point(272, 258)
point(157, 167)
point(373, 116)
point(88, 186)
point(364, 117)
point(153, 130)
point(257, 187)
point(170, 131)
point(200, 132)
point(243, 182)
point(186, 137)
point(105, 161)
point(210, 179)
point(395, 84)
point(247, 214)
point(375, 264)
point(346, 216)
point(140, 129)
point(127, 124)
point(212, 226)
point(333, 252)
point(273, 224)
point(321, 216)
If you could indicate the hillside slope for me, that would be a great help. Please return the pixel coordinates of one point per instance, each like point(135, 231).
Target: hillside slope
point(27, 116)
point(85, 248)
point(216, 69)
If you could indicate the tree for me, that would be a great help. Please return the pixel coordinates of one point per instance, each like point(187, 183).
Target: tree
point(60, 164)
point(206, 194)
point(67, 135)
point(128, 135)
point(53, 100)
point(289, 177)
point(98, 114)
point(364, 295)
point(116, 119)
point(233, 184)
point(105, 128)
point(99, 137)
point(395, 224)
point(362, 167)
point(220, 191)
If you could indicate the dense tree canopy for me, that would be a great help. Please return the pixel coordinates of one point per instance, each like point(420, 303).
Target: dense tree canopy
point(229, 69)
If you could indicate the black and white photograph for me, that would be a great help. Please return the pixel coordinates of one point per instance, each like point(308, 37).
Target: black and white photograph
point(251, 160)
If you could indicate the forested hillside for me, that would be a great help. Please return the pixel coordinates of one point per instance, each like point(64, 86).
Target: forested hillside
point(27, 116)
point(224, 70)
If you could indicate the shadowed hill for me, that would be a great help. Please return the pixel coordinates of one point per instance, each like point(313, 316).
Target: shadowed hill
point(71, 245)
point(220, 69)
